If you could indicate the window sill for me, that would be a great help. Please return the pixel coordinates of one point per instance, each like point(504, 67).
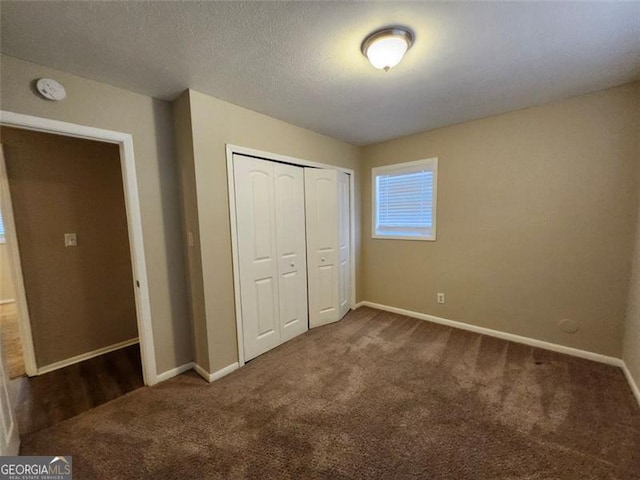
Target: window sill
point(404, 237)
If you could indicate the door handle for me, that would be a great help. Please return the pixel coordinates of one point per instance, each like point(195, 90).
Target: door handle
point(323, 259)
point(293, 264)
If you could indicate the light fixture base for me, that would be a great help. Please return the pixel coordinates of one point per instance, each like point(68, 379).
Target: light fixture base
point(403, 32)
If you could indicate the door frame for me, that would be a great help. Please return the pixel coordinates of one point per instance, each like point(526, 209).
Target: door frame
point(12, 437)
point(134, 226)
point(275, 157)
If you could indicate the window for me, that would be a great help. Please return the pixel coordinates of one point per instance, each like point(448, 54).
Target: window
point(404, 200)
point(2, 239)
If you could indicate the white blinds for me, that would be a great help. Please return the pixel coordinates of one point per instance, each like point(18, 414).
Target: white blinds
point(405, 202)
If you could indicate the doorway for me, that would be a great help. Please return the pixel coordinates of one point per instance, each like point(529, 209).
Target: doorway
point(75, 248)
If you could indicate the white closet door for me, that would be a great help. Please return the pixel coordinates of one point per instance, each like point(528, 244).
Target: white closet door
point(321, 202)
point(256, 226)
point(291, 248)
point(344, 246)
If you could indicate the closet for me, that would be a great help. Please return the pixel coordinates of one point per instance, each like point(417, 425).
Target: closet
point(294, 249)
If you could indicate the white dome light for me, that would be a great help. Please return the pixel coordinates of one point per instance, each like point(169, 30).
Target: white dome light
point(385, 48)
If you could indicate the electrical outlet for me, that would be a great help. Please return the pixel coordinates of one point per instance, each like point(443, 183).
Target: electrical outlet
point(440, 297)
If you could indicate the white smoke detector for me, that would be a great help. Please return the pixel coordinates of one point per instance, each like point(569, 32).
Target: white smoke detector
point(50, 89)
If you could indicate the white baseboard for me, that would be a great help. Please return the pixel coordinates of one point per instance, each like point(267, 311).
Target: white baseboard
point(223, 372)
point(596, 357)
point(212, 377)
point(632, 382)
point(85, 356)
point(7, 300)
point(201, 371)
point(174, 372)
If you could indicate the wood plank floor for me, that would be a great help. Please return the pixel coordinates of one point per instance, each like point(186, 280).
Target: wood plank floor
point(48, 399)
point(11, 343)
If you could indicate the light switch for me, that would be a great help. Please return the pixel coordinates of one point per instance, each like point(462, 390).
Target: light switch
point(70, 240)
point(190, 238)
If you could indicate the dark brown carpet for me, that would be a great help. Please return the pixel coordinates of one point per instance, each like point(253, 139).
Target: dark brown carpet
point(374, 396)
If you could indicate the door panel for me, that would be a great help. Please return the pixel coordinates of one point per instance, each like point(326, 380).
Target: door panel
point(289, 289)
point(326, 290)
point(321, 203)
point(261, 214)
point(344, 200)
point(265, 294)
point(256, 226)
point(291, 248)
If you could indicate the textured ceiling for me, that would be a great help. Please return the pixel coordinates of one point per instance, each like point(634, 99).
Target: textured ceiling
point(301, 62)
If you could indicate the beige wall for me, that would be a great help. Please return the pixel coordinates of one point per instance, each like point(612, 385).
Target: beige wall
point(215, 123)
point(80, 298)
point(149, 121)
point(6, 282)
point(525, 237)
point(536, 218)
point(631, 348)
point(185, 155)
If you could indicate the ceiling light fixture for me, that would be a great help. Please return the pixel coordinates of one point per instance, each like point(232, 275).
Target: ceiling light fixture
point(385, 48)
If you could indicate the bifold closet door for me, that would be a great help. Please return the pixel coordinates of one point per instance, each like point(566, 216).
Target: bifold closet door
point(321, 202)
point(344, 245)
point(328, 212)
point(256, 228)
point(291, 249)
point(269, 201)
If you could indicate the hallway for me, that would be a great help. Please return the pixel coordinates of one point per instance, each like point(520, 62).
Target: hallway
point(11, 344)
point(46, 400)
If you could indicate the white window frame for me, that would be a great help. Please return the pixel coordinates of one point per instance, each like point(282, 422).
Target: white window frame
point(407, 167)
